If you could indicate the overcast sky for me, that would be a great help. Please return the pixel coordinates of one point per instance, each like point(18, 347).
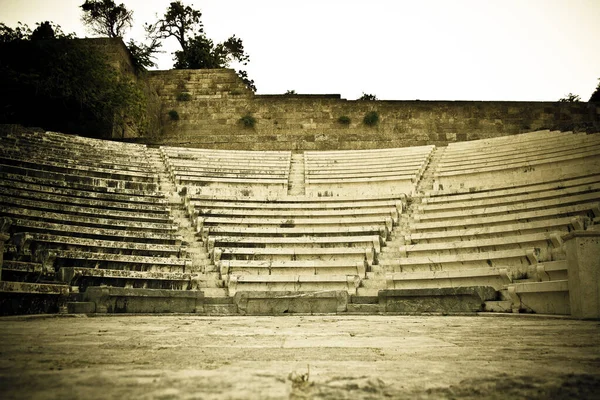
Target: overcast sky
point(536, 50)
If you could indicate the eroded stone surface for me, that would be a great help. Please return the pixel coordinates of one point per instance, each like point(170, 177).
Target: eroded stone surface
point(327, 357)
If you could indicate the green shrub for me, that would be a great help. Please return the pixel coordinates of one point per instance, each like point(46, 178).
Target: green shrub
point(371, 118)
point(368, 97)
point(248, 121)
point(344, 120)
point(184, 96)
point(173, 115)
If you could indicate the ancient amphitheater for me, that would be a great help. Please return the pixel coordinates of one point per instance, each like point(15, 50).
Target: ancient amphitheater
point(466, 269)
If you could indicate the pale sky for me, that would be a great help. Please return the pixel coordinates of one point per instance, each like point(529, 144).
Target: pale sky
point(528, 50)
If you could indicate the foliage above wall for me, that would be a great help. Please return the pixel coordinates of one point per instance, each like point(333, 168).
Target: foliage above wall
point(61, 81)
point(198, 51)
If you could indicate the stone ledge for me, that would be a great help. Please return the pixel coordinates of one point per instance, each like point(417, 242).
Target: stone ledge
point(284, 302)
point(133, 300)
point(441, 300)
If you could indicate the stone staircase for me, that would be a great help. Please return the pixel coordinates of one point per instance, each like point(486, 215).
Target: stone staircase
point(296, 186)
point(375, 280)
point(204, 275)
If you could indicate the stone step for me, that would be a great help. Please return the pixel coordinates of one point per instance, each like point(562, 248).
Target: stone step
point(215, 292)
point(504, 306)
point(364, 308)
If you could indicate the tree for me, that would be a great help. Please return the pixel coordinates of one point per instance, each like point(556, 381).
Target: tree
point(595, 98)
point(105, 17)
point(65, 82)
point(197, 50)
point(8, 34)
point(367, 97)
point(570, 98)
point(181, 22)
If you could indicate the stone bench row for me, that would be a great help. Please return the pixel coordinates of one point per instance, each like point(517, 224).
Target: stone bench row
point(451, 158)
point(84, 277)
point(292, 267)
point(535, 136)
point(384, 211)
point(510, 158)
point(82, 189)
point(22, 193)
point(66, 139)
point(123, 152)
point(537, 170)
point(82, 210)
point(560, 148)
point(73, 158)
point(517, 259)
point(368, 154)
point(549, 297)
point(493, 277)
point(460, 199)
point(79, 170)
point(68, 178)
point(293, 283)
point(366, 170)
point(86, 221)
point(506, 210)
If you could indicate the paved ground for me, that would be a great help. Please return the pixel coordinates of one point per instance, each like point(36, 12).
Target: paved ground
point(298, 357)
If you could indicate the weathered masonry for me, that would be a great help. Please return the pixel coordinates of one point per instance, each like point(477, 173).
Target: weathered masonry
point(507, 224)
point(210, 103)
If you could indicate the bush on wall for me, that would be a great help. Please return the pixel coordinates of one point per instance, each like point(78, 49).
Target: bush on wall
point(344, 120)
point(371, 118)
point(173, 115)
point(248, 121)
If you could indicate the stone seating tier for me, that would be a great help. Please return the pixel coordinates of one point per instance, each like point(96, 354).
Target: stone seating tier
point(28, 204)
point(80, 170)
point(67, 179)
point(564, 224)
point(510, 147)
point(85, 201)
point(356, 254)
point(293, 283)
point(122, 235)
point(509, 199)
point(496, 278)
point(299, 241)
point(295, 267)
point(585, 209)
point(577, 199)
point(478, 193)
point(550, 271)
point(346, 231)
point(384, 211)
point(549, 146)
point(551, 297)
point(26, 241)
point(84, 277)
point(523, 138)
point(56, 259)
point(518, 260)
point(522, 157)
point(68, 158)
point(87, 221)
point(202, 222)
point(89, 189)
point(538, 240)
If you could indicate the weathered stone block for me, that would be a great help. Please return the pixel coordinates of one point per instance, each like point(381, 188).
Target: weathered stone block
point(442, 300)
point(133, 300)
point(273, 303)
point(583, 263)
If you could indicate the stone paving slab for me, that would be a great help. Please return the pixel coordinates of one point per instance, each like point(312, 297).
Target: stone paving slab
point(298, 357)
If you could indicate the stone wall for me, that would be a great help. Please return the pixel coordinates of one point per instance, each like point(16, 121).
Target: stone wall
point(210, 118)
